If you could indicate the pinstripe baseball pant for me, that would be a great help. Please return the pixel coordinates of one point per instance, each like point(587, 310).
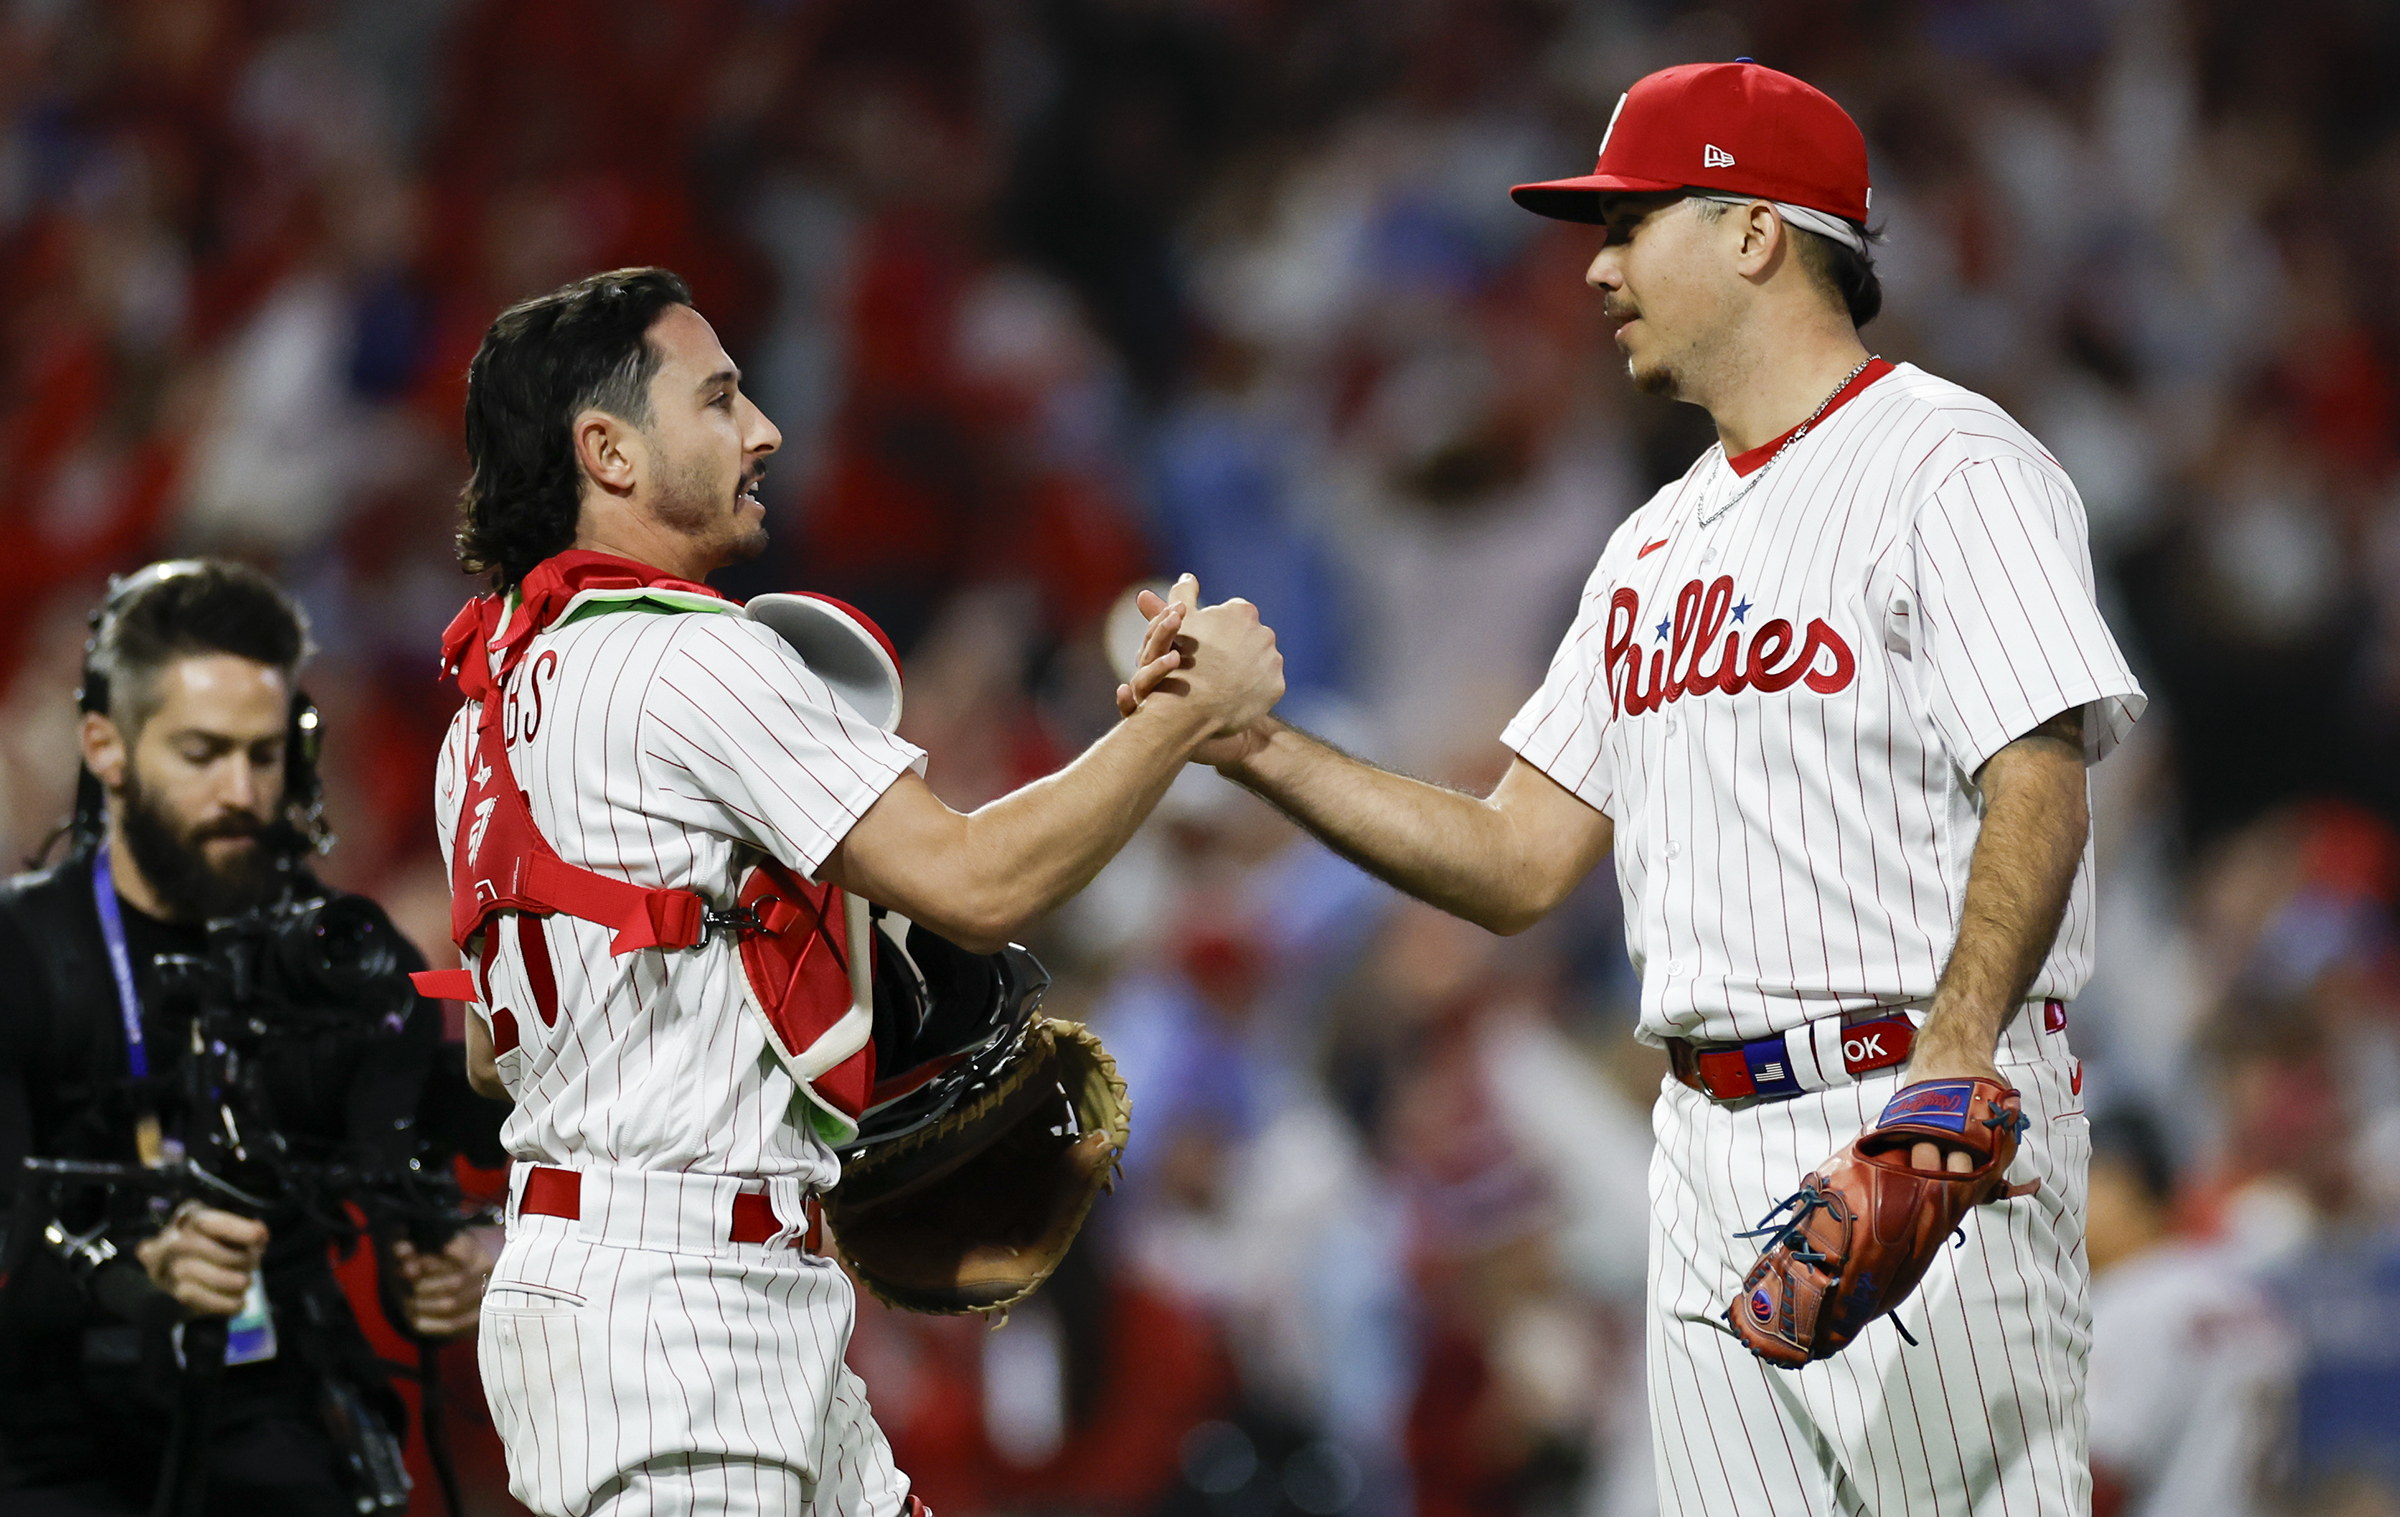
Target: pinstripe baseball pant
point(1985, 1419)
point(636, 1366)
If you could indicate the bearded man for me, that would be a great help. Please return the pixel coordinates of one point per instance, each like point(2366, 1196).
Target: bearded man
point(197, 803)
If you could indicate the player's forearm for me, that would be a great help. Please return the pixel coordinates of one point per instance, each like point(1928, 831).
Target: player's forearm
point(1462, 853)
point(1029, 851)
point(978, 879)
point(2036, 819)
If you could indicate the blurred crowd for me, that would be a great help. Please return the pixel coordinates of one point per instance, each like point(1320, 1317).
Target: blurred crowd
point(1050, 296)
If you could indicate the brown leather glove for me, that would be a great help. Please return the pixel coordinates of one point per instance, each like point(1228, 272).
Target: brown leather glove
point(973, 1212)
point(1862, 1229)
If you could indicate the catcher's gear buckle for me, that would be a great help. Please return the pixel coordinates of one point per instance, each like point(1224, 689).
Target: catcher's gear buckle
point(740, 920)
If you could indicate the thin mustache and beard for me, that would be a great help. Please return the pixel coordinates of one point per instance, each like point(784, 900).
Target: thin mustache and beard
point(172, 859)
point(1659, 378)
point(691, 506)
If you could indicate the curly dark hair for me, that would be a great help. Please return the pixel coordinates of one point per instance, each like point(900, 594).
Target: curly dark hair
point(583, 346)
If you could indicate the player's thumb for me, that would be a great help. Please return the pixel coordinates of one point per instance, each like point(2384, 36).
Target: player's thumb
point(1186, 591)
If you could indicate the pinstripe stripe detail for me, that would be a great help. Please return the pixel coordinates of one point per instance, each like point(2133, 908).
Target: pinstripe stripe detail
point(685, 1383)
point(1985, 1420)
point(671, 750)
point(1784, 855)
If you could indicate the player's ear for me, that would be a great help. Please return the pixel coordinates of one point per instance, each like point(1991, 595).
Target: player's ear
point(105, 751)
point(607, 450)
point(1763, 238)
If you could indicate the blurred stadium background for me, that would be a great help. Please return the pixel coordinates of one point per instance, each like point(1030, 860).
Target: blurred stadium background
point(1052, 295)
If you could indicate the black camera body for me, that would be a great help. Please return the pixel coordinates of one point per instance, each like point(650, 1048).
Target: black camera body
point(302, 965)
point(304, 970)
point(277, 984)
point(271, 985)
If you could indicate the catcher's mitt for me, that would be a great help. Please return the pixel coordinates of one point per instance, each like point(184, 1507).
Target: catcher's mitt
point(1862, 1229)
point(970, 1213)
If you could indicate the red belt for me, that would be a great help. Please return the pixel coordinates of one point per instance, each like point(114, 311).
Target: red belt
point(552, 1192)
point(1769, 1069)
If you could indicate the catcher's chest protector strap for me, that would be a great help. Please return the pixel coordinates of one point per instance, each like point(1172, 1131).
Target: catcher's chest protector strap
point(501, 862)
point(794, 936)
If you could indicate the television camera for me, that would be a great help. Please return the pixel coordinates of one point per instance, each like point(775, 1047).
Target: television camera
point(273, 982)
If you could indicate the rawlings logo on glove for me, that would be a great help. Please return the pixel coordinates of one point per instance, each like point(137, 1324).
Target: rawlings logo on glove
point(1860, 1232)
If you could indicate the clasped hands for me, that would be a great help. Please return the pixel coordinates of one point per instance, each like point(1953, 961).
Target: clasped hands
point(204, 1258)
point(1185, 640)
point(1219, 656)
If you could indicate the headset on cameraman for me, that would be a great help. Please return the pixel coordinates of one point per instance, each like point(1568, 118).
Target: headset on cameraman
point(299, 827)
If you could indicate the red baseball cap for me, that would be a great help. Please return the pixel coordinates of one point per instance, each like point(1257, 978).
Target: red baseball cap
point(1735, 127)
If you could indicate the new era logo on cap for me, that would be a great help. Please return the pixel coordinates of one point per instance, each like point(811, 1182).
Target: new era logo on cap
point(1732, 127)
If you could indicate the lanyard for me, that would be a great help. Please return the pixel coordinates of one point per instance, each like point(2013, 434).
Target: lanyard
point(120, 964)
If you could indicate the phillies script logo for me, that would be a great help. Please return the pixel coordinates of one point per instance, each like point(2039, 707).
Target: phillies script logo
point(1682, 665)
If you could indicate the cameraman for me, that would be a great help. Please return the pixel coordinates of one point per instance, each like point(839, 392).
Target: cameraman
point(197, 803)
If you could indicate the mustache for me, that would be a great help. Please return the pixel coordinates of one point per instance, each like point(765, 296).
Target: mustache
point(1617, 310)
point(753, 477)
point(235, 825)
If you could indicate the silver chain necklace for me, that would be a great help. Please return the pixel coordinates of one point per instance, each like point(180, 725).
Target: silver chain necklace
point(1743, 491)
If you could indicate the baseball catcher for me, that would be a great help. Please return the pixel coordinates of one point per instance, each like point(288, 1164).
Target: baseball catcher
point(667, 813)
point(974, 1135)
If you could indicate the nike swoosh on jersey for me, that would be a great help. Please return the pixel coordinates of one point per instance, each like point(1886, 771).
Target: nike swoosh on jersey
point(1653, 548)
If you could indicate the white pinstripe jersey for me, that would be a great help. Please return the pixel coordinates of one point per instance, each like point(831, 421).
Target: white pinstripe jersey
point(670, 750)
point(1908, 589)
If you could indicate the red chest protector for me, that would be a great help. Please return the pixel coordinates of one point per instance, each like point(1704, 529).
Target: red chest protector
point(795, 938)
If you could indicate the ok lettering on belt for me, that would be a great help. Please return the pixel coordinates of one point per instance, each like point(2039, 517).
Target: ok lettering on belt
point(1813, 1056)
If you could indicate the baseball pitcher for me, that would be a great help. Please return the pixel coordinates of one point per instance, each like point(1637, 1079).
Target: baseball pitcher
point(1829, 699)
